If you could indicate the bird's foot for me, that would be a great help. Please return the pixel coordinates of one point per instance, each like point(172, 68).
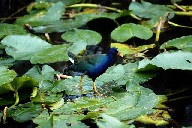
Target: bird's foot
point(59, 76)
point(96, 93)
point(95, 90)
point(83, 92)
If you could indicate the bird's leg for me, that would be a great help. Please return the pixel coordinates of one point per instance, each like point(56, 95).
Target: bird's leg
point(81, 81)
point(95, 89)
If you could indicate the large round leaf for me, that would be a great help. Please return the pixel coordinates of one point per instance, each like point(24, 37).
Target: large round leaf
point(76, 48)
point(51, 55)
point(127, 31)
point(55, 12)
point(9, 29)
point(184, 43)
point(87, 36)
point(22, 47)
point(6, 75)
point(24, 112)
point(113, 73)
point(170, 60)
point(148, 10)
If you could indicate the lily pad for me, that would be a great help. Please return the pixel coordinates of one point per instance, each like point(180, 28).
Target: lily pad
point(126, 49)
point(148, 10)
point(57, 26)
point(127, 31)
point(50, 55)
point(182, 60)
point(132, 77)
point(11, 29)
point(78, 35)
point(113, 73)
point(139, 101)
point(75, 48)
point(54, 13)
point(6, 75)
point(110, 122)
point(46, 73)
point(25, 112)
point(23, 47)
point(183, 43)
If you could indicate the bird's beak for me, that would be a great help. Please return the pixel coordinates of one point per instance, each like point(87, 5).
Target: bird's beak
point(119, 54)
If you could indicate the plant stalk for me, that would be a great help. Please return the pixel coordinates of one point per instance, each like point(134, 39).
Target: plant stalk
point(94, 6)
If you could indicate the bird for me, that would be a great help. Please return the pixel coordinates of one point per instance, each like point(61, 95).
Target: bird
point(94, 65)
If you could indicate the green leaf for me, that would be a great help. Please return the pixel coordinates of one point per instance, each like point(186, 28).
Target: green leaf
point(139, 101)
point(6, 75)
point(43, 120)
point(170, 60)
point(6, 88)
point(54, 13)
point(62, 25)
point(83, 102)
point(132, 77)
point(50, 55)
point(148, 10)
point(184, 43)
point(127, 31)
point(10, 29)
point(47, 73)
point(113, 73)
point(78, 124)
point(24, 112)
point(39, 5)
point(70, 86)
point(32, 19)
point(110, 122)
point(23, 82)
point(7, 61)
point(47, 98)
point(57, 26)
point(78, 35)
point(18, 83)
point(77, 47)
point(23, 47)
point(144, 65)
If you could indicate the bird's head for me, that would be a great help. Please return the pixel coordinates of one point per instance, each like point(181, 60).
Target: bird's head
point(114, 51)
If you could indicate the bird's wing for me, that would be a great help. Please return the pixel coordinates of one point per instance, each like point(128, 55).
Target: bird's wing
point(94, 59)
point(87, 62)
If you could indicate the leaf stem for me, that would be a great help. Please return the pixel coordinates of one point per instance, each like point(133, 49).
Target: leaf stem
point(187, 8)
point(177, 25)
point(9, 17)
point(158, 30)
point(183, 13)
point(180, 98)
point(178, 6)
point(94, 6)
point(16, 99)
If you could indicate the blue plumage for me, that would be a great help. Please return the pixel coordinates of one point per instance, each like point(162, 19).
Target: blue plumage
point(101, 64)
point(95, 65)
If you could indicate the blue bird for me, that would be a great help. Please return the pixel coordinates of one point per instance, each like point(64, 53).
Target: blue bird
point(95, 65)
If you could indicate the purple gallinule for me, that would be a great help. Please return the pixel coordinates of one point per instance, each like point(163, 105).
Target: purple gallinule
point(95, 65)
